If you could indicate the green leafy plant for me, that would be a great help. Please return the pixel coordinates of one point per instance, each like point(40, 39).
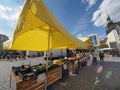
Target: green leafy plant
point(64, 60)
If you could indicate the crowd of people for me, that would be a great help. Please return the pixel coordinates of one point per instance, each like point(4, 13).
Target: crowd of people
point(94, 56)
point(114, 53)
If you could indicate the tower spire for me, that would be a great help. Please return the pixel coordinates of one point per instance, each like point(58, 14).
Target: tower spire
point(108, 20)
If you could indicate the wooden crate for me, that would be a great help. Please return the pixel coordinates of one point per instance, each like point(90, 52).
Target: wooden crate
point(33, 84)
point(54, 75)
point(30, 84)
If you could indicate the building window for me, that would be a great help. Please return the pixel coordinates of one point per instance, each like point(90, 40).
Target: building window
point(94, 40)
point(118, 30)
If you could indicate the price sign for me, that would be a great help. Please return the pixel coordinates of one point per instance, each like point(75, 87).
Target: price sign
point(41, 77)
point(64, 66)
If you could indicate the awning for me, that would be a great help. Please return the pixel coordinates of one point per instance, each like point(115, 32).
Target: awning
point(105, 49)
point(37, 29)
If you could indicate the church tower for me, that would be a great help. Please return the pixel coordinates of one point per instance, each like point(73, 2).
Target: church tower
point(108, 21)
point(109, 24)
point(113, 33)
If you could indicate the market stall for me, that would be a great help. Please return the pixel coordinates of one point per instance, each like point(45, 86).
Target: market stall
point(40, 31)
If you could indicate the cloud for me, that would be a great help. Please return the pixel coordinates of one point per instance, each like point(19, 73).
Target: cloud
point(111, 7)
point(10, 16)
point(79, 26)
point(84, 34)
point(80, 35)
point(9, 13)
point(89, 2)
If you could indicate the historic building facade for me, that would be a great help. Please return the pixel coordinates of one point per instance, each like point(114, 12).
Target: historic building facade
point(113, 33)
point(2, 39)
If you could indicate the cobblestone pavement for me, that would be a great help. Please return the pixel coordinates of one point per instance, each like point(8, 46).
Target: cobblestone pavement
point(89, 79)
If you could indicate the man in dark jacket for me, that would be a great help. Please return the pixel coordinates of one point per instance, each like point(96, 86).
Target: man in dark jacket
point(101, 56)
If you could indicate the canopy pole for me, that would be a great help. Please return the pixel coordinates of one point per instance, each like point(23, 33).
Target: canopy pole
point(61, 52)
point(48, 51)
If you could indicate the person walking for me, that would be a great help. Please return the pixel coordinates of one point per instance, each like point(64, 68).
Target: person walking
point(89, 59)
point(101, 56)
point(94, 58)
point(91, 56)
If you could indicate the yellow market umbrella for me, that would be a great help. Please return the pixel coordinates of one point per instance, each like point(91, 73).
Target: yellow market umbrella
point(36, 26)
point(87, 41)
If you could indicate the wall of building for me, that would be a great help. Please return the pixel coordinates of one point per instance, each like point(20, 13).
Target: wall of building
point(113, 33)
point(2, 39)
point(33, 53)
point(56, 53)
point(111, 36)
point(113, 39)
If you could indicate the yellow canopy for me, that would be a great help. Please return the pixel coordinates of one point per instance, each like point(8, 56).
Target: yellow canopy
point(87, 41)
point(37, 29)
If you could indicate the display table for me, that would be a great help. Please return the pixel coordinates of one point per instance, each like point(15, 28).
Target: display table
point(54, 75)
point(39, 82)
point(31, 84)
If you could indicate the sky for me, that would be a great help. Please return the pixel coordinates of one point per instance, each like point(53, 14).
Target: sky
point(80, 17)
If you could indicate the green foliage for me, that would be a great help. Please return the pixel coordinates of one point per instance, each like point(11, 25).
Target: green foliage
point(40, 68)
point(103, 46)
point(64, 60)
